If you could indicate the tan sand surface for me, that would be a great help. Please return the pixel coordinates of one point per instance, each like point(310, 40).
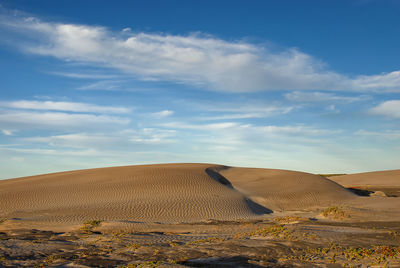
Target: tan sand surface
point(178, 192)
point(186, 215)
point(286, 190)
point(389, 178)
point(165, 193)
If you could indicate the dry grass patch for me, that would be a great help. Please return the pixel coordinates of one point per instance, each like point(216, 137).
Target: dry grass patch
point(147, 264)
point(89, 225)
point(346, 256)
point(207, 240)
point(290, 219)
point(335, 212)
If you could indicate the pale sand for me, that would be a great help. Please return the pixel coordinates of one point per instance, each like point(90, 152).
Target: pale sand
point(286, 190)
point(389, 178)
point(264, 218)
point(165, 193)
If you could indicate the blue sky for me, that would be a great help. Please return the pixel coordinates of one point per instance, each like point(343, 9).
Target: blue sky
point(304, 85)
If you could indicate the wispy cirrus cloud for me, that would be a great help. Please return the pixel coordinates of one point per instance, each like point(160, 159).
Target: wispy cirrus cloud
point(112, 141)
point(162, 114)
point(195, 59)
point(55, 120)
point(85, 75)
point(60, 115)
point(223, 110)
point(64, 106)
point(384, 134)
point(301, 96)
point(389, 109)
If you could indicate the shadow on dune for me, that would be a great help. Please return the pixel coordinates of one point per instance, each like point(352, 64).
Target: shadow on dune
point(256, 208)
point(218, 177)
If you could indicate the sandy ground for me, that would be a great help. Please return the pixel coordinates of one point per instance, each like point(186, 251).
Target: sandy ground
point(384, 183)
point(191, 215)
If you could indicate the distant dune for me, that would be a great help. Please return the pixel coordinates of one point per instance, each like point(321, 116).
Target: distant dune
point(167, 193)
point(389, 178)
point(377, 183)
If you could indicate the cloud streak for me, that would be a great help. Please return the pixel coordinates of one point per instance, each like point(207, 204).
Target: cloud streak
point(64, 106)
point(51, 120)
point(309, 97)
point(195, 59)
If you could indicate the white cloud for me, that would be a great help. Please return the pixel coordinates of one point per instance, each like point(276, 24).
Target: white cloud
point(388, 108)
point(89, 152)
point(162, 114)
point(7, 132)
point(63, 106)
point(235, 127)
point(114, 140)
point(84, 75)
point(52, 120)
point(195, 59)
point(76, 140)
point(298, 96)
point(387, 134)
point(107, 85)
point(152, 136)
point(384, 80)
point(224, 111)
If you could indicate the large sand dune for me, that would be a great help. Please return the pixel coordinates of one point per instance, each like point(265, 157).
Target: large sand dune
point(169, 193)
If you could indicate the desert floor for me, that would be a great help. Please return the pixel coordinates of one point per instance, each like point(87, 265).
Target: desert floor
point(200, 215)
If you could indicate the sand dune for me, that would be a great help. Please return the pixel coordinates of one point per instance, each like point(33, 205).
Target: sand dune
point(286, 190)
point(389, 178)
point(168, 193)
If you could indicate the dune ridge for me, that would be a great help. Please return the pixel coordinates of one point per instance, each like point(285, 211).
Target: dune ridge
point(165, 193)
point(388, 178)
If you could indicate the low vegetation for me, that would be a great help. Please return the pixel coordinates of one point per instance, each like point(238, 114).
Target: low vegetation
point(147, 264)
point(290, 219)
point(335, 212)
point(346, 256)
point(89, 225)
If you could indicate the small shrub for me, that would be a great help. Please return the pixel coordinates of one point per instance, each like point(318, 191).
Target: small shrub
point(89, 225)
point(290, 219)
point(93, 223)
point(334, 213)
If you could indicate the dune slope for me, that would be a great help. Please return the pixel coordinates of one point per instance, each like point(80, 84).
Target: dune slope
point(286, 190)
point(176, 192)
point(166, 193)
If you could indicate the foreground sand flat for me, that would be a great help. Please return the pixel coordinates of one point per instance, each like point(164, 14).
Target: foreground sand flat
point(190, 215)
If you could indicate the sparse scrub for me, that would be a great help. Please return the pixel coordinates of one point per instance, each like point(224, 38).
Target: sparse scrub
point(148, 264)
point(133, 246)
point(278, 230)
point(394, 234)
point(347, 256)
point(207, 240)
point(90, 225)
point(334, 213)
point(173, 244)
point(290, 219)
